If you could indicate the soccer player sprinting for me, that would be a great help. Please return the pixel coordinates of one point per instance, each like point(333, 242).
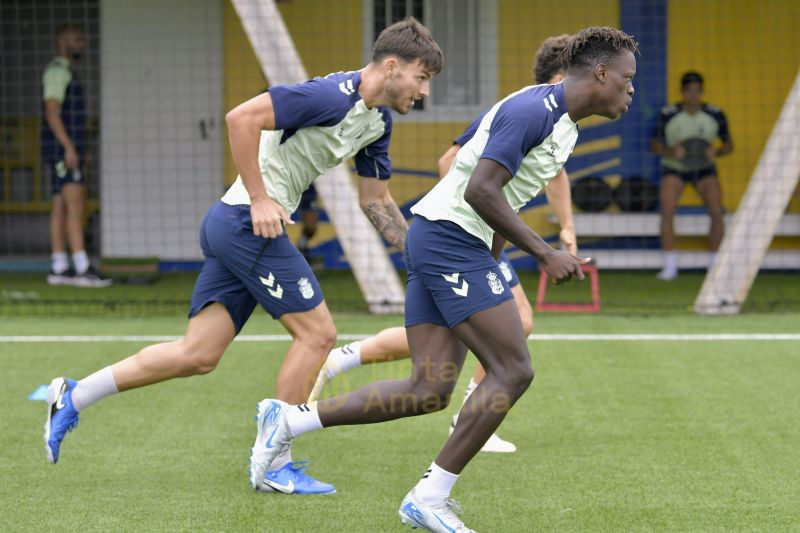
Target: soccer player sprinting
point(392, 343)
point(456, 296)
point(281, 141)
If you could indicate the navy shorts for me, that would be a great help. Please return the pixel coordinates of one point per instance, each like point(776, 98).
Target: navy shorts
point(308, 200)
point(693, 177)
point(508, 270)
point(451, 274)
point(60, 175)
point(241, 269)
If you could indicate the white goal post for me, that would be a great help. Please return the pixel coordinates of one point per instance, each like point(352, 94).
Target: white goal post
point(760, 211)
point(281, 63)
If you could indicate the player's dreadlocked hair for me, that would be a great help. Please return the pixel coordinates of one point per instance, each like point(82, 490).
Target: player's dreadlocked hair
point(409, 40)
point(549, 60)
point(598, 44)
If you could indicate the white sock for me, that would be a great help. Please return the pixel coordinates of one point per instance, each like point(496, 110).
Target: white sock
point(81, 262)
point(470, 387)
point(93, 388)
point(60, 262)
point(303, 418)
point(435, 485)
point(281, 460)
point(712, 256)
point(671, 261)
point(344, 358)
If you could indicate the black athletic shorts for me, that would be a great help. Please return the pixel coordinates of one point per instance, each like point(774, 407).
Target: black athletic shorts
point(692, 177)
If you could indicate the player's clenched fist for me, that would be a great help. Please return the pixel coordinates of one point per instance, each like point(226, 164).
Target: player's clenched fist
point(561, 266)
point(268, 217)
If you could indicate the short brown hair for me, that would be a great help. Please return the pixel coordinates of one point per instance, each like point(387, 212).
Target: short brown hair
point(548, 60)
point(598, 44)
point(409, 40)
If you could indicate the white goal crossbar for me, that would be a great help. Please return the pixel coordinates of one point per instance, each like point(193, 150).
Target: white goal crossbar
point(760, 211)
point(361, 243)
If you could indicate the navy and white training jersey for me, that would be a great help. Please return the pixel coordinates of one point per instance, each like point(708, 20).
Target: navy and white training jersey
point(469, 133)
point(530, 133)
point(318, 124)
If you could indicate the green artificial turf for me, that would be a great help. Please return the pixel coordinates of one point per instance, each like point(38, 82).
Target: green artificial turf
point(613, 436)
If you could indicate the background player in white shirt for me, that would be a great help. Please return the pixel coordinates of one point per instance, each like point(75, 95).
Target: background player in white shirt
point(392, 343)
point(281, 141)
point(455, 298)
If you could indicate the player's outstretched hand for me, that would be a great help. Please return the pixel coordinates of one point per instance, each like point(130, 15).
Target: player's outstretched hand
point(268, 217)
point(562, 266)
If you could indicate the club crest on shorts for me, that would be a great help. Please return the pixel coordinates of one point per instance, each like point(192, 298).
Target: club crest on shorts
point(306, 290)
point(505, 270)
point(494, 283)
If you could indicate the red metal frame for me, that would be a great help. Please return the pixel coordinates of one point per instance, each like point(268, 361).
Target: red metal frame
point(593, 307)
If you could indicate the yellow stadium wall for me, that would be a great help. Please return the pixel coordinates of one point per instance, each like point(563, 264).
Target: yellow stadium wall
point(749, 53)
point(242, 75)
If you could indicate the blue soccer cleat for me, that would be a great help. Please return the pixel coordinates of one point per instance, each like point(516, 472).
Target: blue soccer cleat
point(62, 416)
point(272, 438)
point(440, 518)
point(292, 479)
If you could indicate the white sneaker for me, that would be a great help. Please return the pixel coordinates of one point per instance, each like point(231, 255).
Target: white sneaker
point(64, 278)
point(494, 445)
point(91, 279)
point(272, 438)
point(667, 274)
point(329, 370)
point(497, 445)
point(440, 518)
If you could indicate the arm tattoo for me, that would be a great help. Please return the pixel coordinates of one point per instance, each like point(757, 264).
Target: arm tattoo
point(388, 219)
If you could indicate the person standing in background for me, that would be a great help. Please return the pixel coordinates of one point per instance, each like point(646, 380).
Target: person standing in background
point(63, 152)
point(685, 141)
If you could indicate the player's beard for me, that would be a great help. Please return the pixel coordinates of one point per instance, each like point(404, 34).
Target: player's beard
point(395, 98)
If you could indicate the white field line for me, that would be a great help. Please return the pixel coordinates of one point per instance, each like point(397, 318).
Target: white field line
point(357, 336)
